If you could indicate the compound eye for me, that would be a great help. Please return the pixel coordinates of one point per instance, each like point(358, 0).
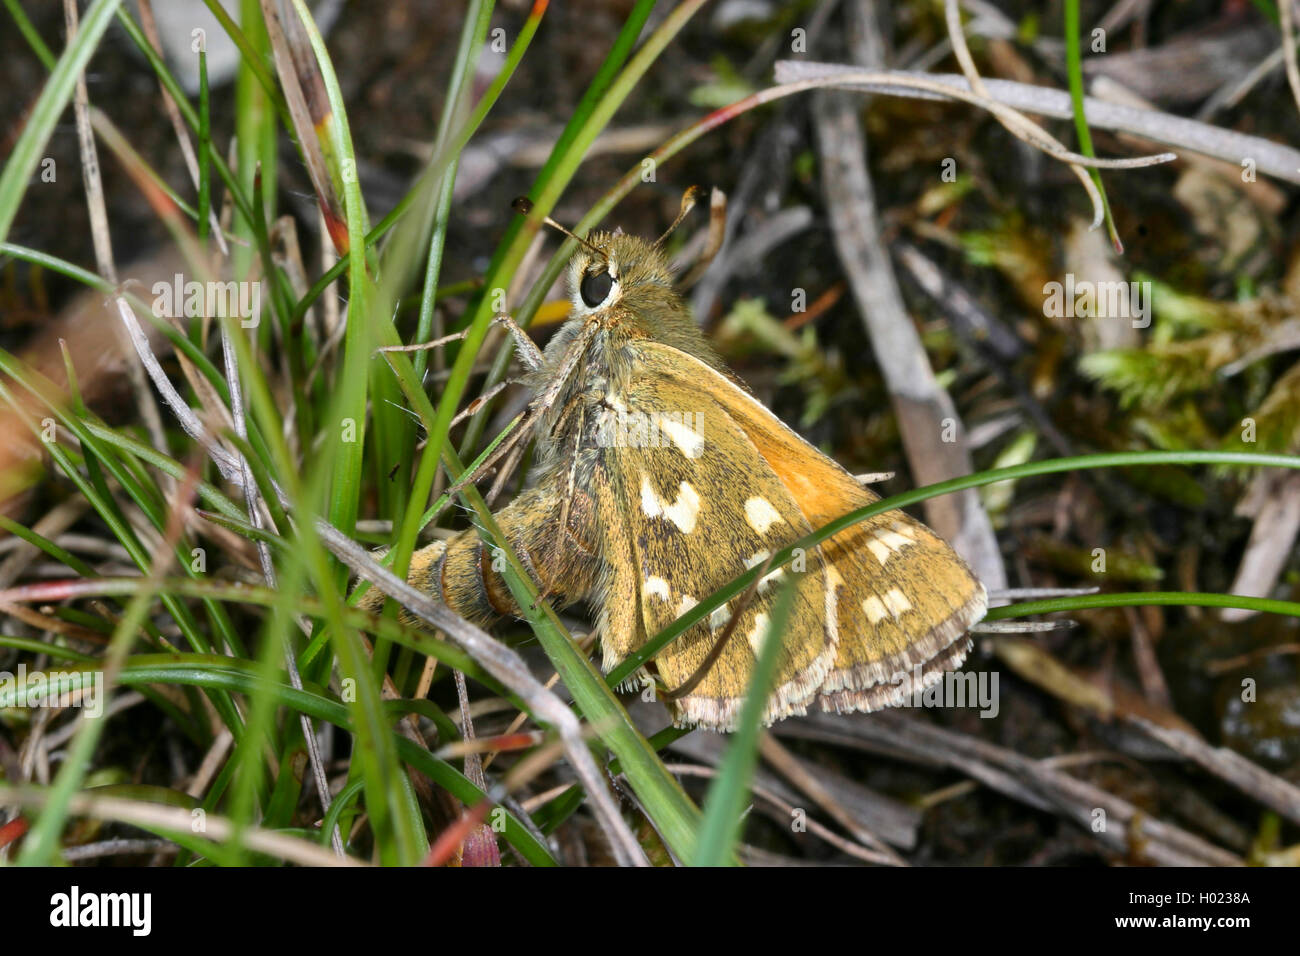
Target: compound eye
point(595, 288)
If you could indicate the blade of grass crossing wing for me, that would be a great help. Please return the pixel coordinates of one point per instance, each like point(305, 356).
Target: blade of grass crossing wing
point(729, 793)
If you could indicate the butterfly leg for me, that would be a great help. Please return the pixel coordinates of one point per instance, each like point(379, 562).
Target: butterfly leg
point(528, 351)
point(423, 346)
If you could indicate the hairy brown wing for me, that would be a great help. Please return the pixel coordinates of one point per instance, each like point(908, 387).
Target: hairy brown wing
point(690, 505)
point(904, 598)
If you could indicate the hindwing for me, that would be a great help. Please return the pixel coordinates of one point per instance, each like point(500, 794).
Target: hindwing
point(904, 599)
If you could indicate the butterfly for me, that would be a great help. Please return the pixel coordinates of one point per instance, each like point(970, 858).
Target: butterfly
point(660, 478)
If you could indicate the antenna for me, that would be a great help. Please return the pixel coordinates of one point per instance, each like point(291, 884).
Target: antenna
point(524, 206)
point(689, 199)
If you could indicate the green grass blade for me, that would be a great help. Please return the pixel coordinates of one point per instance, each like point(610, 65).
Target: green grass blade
point(49, 107)
point(666, 803)
point(729, 791)
point(30, 34)
point(1074, 70)
point(1083, 602)
point(1029, 469)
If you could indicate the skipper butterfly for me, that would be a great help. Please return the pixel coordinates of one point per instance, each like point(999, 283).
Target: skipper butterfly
point(660, 478)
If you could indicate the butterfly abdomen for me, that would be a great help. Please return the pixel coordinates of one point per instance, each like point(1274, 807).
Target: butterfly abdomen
point(467, 573)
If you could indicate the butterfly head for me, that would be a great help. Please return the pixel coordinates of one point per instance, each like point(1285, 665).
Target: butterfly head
point(625, 284)
point(616, 269)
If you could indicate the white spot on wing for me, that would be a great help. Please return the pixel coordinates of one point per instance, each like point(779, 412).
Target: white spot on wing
point(897, 602)
point(758, 633)
point(719, 618)
point(649, 500)
point(683, 512)
point(767, 580)
point(896, 541)
point(885, 544)
point(684, 437)
point(874, 609)
point(833, 581)
point(760, 514)
point(686, 604)
point(656, 587)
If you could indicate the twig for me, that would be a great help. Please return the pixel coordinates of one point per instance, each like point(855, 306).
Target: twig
point(988, 336)
point(1038, 666)
point(218, 829)
point(62, 516)
point(118, 847)
point(1017, 125)
point(893, 822)
point(1128, 830)
point(1234, 91)
point(98, 212)
point(1154, 685)
point(1220, 667)
point(211, 763)
point(788, 766)
point(189, 422)
point(479, 844)
point(788, 809)
point(508, 668)
point(1272, 541)
point(1275, 159)
point(765, 172)
point(57, 738)
point(1228, 765)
